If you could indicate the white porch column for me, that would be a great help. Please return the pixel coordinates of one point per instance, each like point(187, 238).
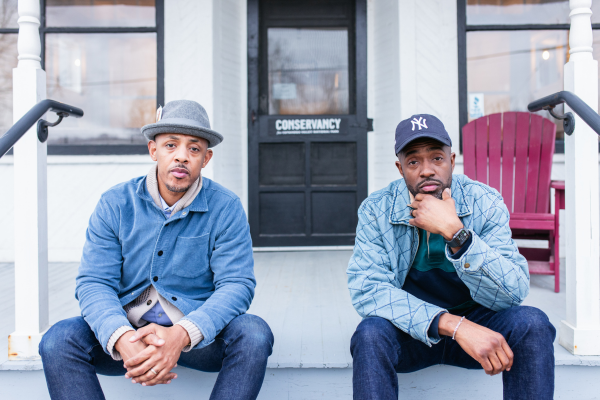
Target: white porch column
point(31, 227)
point(580, 332)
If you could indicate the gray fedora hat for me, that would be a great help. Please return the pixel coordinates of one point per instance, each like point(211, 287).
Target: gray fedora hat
point(185, 117)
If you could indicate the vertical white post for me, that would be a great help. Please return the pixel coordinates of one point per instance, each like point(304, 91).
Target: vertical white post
point(580, 332)
point(31, 226)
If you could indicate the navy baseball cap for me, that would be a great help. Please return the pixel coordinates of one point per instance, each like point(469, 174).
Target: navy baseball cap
point(420, 126)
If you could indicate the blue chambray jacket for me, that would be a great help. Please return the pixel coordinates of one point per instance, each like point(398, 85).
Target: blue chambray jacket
point(386, 245)
point(200, 259)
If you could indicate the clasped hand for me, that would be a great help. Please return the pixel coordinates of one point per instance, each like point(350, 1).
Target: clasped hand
point(435, 215)
point(150, 353)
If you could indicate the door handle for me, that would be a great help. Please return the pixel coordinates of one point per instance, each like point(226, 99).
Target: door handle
point(252, 116)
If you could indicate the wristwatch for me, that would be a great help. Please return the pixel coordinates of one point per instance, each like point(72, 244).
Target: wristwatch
point(459, 238)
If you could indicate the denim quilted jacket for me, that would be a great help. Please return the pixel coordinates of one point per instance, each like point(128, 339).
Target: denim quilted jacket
point(386, 245)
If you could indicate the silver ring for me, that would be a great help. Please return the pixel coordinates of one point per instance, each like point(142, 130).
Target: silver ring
point(152, 369)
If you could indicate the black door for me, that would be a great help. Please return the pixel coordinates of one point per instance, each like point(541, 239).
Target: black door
point(307, 74)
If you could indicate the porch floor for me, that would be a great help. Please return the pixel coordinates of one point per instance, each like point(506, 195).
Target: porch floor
point(302, 296)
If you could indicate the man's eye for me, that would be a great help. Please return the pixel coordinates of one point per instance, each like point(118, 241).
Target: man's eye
point(195, 149)
point(170, 145)
point(412, 163)
point(438, 158)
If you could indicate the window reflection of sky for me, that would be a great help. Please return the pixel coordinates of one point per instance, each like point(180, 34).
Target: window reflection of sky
point(111, 76)
point(510, 70)
point(308, 71)
point(121, 13)
point(506, 12)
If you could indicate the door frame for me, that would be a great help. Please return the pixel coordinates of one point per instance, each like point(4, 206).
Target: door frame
point(357, 116)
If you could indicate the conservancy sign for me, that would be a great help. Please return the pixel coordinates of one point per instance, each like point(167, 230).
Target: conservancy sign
point(307, 126)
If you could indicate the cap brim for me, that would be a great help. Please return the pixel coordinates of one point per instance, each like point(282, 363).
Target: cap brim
point(182, 126)
point(428, 135)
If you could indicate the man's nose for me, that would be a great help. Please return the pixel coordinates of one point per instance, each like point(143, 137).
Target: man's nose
point(181, 155)
point(427, 171)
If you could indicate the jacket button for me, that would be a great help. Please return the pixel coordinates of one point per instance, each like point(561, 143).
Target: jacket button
point(467, 265)
point(160, 253)
point(174, 298)
point(149, 302)
point(155, 278)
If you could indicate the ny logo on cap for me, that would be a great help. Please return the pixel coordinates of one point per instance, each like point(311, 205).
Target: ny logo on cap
point(418, 123)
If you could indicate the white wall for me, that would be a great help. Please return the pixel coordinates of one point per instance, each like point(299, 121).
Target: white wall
point(205, 61)
point(75, 184)
point(413, 68)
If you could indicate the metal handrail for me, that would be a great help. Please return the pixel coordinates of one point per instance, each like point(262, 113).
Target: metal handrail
point(580, 108)
point(8, 140)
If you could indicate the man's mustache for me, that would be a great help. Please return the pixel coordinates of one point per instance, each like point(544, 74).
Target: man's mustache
point(180, 166)
point(429, 181)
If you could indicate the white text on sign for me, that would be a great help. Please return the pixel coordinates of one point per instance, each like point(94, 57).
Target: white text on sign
point(301, 126)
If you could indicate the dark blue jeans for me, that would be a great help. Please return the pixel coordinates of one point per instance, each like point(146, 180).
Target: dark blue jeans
point(72, 356)
point(380, 350)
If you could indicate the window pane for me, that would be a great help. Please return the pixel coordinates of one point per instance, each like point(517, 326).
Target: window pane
point(100, 13)
point(308, 71)
point(8, 14)
point(514, 12)
point(112, 77)
point(8, 61)
point(507, 70)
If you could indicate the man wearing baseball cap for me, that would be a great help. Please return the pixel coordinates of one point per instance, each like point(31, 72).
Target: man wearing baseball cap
point(439, 280)
point(166, 277)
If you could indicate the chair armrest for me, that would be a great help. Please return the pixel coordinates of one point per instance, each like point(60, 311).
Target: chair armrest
point(559, 195)
point(558, 185)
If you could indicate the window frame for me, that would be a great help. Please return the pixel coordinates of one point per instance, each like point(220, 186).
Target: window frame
point(462, 30)
point(117, 149)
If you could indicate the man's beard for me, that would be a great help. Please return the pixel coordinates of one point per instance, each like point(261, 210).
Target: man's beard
point(437, 193)
point(180, 189)
point(177, 189)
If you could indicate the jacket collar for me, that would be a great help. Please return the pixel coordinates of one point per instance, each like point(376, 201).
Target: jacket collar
point(400, 212)
point(199, 204)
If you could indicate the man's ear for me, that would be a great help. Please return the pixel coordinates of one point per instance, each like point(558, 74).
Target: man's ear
point(453, 160)
point(399, 166)
point(207, 157)
point(152, 149)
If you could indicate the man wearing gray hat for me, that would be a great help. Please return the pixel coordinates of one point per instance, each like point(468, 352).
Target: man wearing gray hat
point(166, 277)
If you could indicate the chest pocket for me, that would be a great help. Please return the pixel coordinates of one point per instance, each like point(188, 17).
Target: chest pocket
point(190, 258)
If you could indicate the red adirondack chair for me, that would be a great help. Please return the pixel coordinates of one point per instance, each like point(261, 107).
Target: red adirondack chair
point(512, 152)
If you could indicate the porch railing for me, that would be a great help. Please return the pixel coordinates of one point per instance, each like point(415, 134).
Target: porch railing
point(12, 136)
point(575, 103)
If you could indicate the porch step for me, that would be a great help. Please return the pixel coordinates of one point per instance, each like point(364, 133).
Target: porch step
point(572, 382)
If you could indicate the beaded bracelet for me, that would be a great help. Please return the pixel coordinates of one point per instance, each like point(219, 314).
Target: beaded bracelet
point(455, 329)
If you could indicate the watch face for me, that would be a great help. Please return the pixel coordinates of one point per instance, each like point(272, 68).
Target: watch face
point(460, 238)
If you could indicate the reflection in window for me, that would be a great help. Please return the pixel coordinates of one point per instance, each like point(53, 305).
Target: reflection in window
point(506, 70)
point(509, 12)
point(308, 71)
point(110, 76)
point(8, 61)
point(106, 13)
point(8, 14)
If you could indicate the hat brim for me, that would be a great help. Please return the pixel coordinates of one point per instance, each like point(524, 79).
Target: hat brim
point(182, 126)
point(428, 135)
